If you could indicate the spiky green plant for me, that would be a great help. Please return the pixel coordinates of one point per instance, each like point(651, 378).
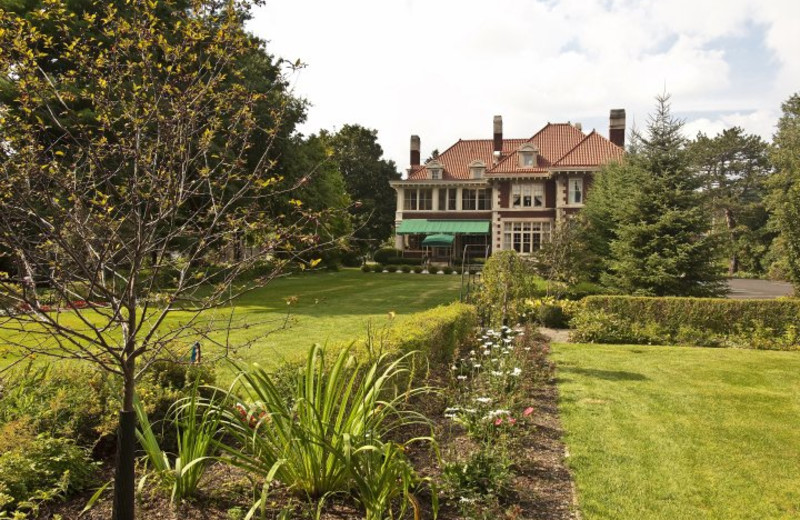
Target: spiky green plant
point(321, 439)
point(196, 427)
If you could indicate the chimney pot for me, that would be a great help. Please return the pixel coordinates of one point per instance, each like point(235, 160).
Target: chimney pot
point(498, 134)
point(616, 127)
point(415, 158)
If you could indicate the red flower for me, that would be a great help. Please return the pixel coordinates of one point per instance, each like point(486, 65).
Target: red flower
point(512, 421)
point(528, 411)
point(498, 421)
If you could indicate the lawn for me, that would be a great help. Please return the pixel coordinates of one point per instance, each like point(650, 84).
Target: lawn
point(328, 307)
point(681, 433)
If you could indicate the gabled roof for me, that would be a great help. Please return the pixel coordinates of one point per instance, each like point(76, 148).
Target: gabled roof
point(559, 145)
point(553, 141)
point(456, 159)
point(591, 151)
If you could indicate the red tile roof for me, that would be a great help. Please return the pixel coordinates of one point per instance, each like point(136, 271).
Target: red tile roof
point(591, 151)
point(559, 144)
point(456, 159)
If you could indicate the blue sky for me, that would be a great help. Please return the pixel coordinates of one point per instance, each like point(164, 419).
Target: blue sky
point(442, 68)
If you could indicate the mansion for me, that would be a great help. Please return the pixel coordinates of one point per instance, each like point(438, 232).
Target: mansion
point(498, 193)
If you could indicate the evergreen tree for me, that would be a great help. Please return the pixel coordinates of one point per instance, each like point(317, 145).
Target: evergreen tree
point(785, 187)
point(648, 214)
point(733, 168)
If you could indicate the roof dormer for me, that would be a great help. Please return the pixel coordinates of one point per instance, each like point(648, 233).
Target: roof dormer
point(528, 154)
point(435, 168)
point(477, 169)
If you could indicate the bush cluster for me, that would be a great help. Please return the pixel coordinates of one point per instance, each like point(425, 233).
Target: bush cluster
point(763, 324)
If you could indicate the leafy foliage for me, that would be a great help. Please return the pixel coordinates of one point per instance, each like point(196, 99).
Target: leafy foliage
point(505, 280)
point(42, 468)
point(785, 186)
point(359, 157)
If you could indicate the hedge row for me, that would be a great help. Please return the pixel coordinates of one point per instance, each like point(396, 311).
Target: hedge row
point(438, 333)
point(718, 315)
point(761, 324)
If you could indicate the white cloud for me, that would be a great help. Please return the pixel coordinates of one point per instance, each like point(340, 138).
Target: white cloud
point(443, 68)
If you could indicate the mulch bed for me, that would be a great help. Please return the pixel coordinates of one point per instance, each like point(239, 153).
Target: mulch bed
point(542, 489)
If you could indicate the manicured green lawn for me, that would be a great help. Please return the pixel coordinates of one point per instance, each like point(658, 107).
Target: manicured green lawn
point(681, 433)
point(330, 307)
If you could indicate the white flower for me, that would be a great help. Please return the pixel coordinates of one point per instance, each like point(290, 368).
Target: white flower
point(497, 413)
point(484, 400)
point(471, 352)
point(496, 373)
point(487, 352)
point(477, 365)
point(461, 378)
point(507, 340)
point(453, 367)
point(517, 371)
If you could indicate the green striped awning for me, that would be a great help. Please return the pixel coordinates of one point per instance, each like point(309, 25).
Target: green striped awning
point(438, 240)
point(423, 226)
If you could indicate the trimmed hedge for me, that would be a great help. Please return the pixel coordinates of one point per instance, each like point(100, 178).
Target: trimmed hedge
point(383, 255)
point(713, 314)
point(439, 333)
point(766, 324)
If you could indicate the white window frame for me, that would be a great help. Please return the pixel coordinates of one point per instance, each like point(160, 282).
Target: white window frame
point(428, 198)
point(575, 189)
point(526, 236)
point(526, 195)
point(436, 174)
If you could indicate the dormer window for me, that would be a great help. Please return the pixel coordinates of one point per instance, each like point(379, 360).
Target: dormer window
point(477, 169)
point(435, 168)
point(527, 155)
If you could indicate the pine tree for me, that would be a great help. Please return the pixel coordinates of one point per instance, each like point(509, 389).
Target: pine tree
point(659, 235)
point(785, 185)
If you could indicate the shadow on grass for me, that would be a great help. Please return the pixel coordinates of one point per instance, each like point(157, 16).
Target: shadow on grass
point(608, 375)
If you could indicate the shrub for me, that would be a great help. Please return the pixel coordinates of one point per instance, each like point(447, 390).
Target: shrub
point(418, 269)
point(484, 472)
point(447, 269)
point(352, 259)
point(391, 268)
point(505, 283)
point(718, 315)
point(405, 268)
point(366, 268)
point(378, 268)
point(457, 270)
point(437, 333)
point(69, 401)
point(42, 468)
point(694, 321)
point(383, 255)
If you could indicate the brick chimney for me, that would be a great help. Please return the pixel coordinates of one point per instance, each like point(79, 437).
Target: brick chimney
point(498, 134)
point(414, 151)
point(616, 127)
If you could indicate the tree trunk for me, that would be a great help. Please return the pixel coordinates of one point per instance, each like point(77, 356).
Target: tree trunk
point(124, 478)
point(733, 266)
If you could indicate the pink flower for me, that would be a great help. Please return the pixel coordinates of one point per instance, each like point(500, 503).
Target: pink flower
point(498, 421)
point(512, 421)
point(528, 411)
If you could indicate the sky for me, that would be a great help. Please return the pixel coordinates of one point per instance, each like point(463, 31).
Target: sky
point(442, 69)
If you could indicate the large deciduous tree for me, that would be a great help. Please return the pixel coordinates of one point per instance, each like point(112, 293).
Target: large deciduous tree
point(647, 217)
point(356, 151)
point(733, 168)
point(135, 175)
point(784, 200)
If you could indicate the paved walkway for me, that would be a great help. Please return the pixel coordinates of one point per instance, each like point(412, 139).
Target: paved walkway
point(758, 289)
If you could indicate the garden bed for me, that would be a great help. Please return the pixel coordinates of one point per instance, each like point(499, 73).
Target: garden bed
point(528, 455)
